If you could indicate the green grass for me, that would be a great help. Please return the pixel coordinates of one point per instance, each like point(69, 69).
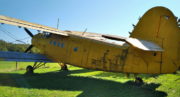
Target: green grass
point(78, 82)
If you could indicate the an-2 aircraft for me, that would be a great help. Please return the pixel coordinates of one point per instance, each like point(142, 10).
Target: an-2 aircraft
point(152, 48)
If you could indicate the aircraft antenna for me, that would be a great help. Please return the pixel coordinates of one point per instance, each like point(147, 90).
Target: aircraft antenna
point(58, 23)
point(84, 31)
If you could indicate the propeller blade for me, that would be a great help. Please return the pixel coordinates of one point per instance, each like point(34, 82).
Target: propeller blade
point(29, 48)
point(29, 32)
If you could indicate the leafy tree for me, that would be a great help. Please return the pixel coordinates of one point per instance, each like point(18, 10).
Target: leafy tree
point(6, 46)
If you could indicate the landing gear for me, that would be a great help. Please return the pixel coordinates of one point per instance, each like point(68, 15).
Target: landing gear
point(30, 69)
point(127, 75)
point(63, 66)
point(138, 80)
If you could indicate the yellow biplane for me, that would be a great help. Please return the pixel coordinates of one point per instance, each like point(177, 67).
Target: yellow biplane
point(152, 48)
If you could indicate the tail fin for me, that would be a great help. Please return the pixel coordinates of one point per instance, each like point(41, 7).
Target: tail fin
point(160, 26)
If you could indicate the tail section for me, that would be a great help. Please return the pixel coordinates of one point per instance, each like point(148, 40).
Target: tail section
point(160, 26)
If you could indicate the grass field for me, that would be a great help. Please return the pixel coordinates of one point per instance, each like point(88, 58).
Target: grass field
point(78, 82)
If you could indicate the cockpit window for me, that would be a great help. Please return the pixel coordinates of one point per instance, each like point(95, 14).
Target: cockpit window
point(46, 34)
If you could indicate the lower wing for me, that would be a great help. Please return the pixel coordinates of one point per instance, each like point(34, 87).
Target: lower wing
point(23, 57)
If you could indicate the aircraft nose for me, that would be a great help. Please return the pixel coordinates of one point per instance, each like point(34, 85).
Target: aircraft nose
point(34, 40)
point(37, 40)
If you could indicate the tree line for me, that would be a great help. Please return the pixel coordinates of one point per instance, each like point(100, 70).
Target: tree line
point(7, 46)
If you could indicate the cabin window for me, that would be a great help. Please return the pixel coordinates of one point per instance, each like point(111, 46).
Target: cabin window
point(54, 43)
point(75, 49)
point(59, 44)
point(62, 45)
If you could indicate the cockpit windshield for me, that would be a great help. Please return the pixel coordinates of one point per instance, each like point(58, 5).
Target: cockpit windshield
point(46, 34)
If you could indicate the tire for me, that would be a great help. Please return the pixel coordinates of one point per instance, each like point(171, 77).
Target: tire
point(29, 69)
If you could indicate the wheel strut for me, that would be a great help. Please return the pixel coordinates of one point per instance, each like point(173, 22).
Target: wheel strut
point(30, 69)
point(63, 66)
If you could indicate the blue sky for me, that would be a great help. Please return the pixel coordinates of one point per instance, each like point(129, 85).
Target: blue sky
point(99, 16)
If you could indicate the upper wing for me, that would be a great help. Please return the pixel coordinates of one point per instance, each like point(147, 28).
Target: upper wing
point(138, 43)
point(23, 57)
point(17, 22)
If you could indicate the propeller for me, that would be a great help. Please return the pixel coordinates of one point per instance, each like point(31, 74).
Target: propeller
point(30, 34)
point(29, 48)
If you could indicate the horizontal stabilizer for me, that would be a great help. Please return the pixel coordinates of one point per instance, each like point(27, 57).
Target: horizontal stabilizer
point(22, 57)
point(20, 23)
point(138, 43)
point(143, 44)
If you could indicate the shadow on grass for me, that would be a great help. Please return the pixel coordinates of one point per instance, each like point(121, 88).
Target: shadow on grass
point(91, 87)
point(122, 75)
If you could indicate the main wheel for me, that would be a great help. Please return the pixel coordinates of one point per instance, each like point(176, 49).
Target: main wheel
point(29, 69)
point(64, 67)
point(139, 81)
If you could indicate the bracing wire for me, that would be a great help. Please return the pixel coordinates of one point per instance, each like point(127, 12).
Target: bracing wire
point(20, 40)
point(12, 36)
point(5, 32)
